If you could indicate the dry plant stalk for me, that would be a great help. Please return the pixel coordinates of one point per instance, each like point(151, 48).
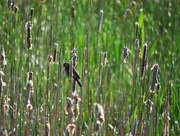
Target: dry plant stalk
point(155, 83)
point(99, 117)
point(29, 90)
point(2, 84)
point(144, 60)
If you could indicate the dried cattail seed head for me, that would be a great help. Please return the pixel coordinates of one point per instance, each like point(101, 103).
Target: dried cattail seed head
point(29, 105)
point(125, 54)
point(14, 110)
point(99, 117)
point(15, 9)
point(3, 61)
point(149, 106)
point(71, 128)
point(30, 75)
point(144, 60)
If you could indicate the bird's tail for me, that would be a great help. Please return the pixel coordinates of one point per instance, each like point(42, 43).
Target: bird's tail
point(79, 83)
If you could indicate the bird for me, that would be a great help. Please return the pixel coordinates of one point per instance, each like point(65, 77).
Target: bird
point(76, 76)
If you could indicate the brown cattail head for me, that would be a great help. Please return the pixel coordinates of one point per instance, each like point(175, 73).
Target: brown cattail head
point(149, 106)
point(29, 36)
point(10, 2)
point(2, 84)
point(30, 75)
point(68, 107)
point(3, 61)
point(50, 58)
point(137, 30)
point(73, 57)
point(155, 82)
point(15, 9)
point(6, 104)
point(99, 117)
point(71, 129)
point(125, 54)
point(29, 83)
point(14, 110)
point(3, 132)
point(31, 14)
point(144, 60)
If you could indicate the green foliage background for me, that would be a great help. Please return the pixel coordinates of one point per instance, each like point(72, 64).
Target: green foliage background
point(159, 23)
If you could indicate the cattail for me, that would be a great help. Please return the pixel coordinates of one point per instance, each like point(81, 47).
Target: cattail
point(12, 4)
point(144, 60)
point(3, 61)
point(54, 52)
point(47, 126)
point(29, 105)
point(133, 3)
point(165, 131)
point(68, 107)
point(6, 104)
point(125, 54)
point(99, 117)
point(104, 59)
point(149, 106)
point(31, 14)
point(75, 106)
point(137, 31)
point(9, 3)
point(2, 84)
point(73, 57)
point(100, 20)
point(3, 132)
point(29, 36)
point(30, 84)
point(50, 58)
point(14, 110)
point(29, 90)
point(71, 129)
point(154, 82)
point(15, 9)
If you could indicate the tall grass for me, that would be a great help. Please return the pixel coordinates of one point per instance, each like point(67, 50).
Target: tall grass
point(100, 31)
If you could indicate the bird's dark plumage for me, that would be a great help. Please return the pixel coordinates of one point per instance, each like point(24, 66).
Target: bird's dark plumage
point(75, 73)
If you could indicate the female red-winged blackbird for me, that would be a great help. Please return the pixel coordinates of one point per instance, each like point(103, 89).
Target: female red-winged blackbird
point(75, 73)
